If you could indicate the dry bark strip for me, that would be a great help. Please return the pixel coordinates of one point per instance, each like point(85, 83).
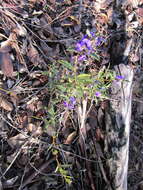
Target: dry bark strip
point(117, 119)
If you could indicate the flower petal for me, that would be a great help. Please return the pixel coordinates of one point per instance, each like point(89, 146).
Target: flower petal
point(82, 58)
point(98, 94)
point(120, 77)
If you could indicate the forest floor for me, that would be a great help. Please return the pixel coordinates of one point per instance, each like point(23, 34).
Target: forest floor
point(43, 42)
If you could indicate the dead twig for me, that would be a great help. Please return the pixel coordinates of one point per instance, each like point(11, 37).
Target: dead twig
point(35, 173)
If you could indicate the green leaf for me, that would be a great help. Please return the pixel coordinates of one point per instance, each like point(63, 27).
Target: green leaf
point(100, 75)
point(71, 49)
point(84, 76)
point(62, 88)
point(62, 171)
point(84, 82)
point(79, 92)
point(66, 64)
point(68, 180)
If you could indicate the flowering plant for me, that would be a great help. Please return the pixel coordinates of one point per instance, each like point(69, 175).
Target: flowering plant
point(75, 85)
point(74, 88)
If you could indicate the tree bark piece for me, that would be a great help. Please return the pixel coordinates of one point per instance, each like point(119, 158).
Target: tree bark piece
point(117, 119)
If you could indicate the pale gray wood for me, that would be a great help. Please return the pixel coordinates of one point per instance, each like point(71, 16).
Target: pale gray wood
point(118, 118)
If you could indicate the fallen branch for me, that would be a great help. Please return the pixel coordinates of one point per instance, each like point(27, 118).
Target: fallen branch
point(117, 119)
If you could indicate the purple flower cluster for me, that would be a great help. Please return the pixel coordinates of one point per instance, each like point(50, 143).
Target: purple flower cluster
point(71, 104)
point(85, 42)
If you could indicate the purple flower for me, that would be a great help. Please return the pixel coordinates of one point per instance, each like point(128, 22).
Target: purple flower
point(72, 100)
point(92, 34)
point(78, 46)
point(84, 42)
point(65, 104)
point(82, 58)
point(97, 94)
point(87, 43)
point(99, 40)
point(120, 77)
point(71, 103)
point(70, 106)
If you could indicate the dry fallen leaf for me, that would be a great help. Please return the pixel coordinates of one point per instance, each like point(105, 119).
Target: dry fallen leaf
point(17, 141)
point(20, 30)
point(34, 129)
point(5, 104)
point(6, 64)
point(33, 54)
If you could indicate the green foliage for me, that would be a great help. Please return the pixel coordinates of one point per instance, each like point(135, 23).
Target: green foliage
point(72, 83)
point(61, 169)
point(71, 87)
point(66, 64)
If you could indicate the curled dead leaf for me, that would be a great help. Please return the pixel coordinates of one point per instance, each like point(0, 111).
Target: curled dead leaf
point(5, 104)
point(70, 138)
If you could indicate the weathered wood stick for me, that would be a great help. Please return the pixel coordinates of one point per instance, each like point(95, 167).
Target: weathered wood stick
point(117, 119)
